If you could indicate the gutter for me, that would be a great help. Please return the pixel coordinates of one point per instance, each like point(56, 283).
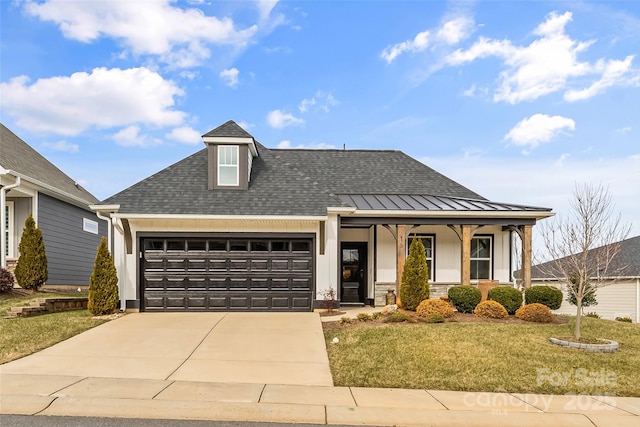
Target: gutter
point(70, 197)
point(216, 217)
point(3, 197)
point(453, 214)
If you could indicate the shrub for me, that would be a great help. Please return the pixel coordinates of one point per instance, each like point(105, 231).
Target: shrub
point(510, 298)
point(546, 295)
point(103, 283)
point(435, 318)
point(329, 299)
point(592, 314)
point(364, 317)
point(345, 320)
point(624, 319)
point(31, 270)
point(588, 292)
point(465, 298)
point(535, 312)
point(377, 315)
point(396, 317)
point(415, 277)
point(6, 280)
point(491, 309)
point(431, 306)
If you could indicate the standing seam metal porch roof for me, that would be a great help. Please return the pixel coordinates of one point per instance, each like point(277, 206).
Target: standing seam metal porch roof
point(301, 183)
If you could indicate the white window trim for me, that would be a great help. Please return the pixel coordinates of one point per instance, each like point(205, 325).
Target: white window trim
point(431, 237)
point(90, 226)
point(236, 166)
point(490, 258)
point(10, 211)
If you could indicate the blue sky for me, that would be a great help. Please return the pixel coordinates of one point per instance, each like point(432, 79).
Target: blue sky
point(517, 100)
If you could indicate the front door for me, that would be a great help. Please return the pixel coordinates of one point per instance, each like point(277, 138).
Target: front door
point(354, 272)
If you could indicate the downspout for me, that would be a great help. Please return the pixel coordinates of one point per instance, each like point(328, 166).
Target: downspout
point(3, 197)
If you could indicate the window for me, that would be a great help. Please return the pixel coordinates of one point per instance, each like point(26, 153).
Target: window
point(90, 226)
point(228, 167)
point(481, 257)
point(428, 240)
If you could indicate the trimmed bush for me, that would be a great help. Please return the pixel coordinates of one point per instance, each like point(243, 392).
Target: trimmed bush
point(432, 306)
point(535, 312)
point(397, 317)
point(435, 318)
point(6, 280)
point(465, 298)
point(415, 277)
point(364, 317)
point(103, 283)
point(510, 298)
point(491, 309)
point(31, 270)
point(593, 315)
point(547, 295)
point(624, 319)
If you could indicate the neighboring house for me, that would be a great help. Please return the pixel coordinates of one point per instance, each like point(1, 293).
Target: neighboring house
point(239, 226)
point(31, 185)
point(617, 297)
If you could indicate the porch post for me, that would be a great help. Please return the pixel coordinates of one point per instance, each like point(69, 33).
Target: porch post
point(465, 264)
point(526, 256)
point(401, 251)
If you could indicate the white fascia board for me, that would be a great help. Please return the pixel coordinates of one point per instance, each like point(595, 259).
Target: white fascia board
point(104, 208)
point(223, 217)
point(454, 214)
point(233, 140)
point(341, 210)
point(52, 191)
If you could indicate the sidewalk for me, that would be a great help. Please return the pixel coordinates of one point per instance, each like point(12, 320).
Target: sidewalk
point(165, 399)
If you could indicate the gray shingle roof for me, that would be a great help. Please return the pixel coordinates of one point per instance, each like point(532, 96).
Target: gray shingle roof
point(18, 156)
point(288, 182)
point(230, 129)
point(625, 264)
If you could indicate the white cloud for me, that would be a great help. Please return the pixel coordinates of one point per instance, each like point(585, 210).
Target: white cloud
point(185, 134)
point(279, 119)
point(230, 76)
point(190, 75)
point(451, 32)
point(103, 98)
point(538, 129)
point(323, 100)
point(245, 125)
point(62, 145)
point(625, 130)
point(286, 144)
point(614, 73)
point(131, 137)
point(546, 65)
point(419, 43)
point(177, 36)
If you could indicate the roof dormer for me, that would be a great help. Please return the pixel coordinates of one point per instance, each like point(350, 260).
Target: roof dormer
point(231, 150)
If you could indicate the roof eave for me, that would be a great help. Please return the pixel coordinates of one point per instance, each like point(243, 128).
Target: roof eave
point(52, 191)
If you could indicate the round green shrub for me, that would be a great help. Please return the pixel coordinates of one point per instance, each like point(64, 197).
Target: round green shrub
point(6, 280)
point(510, 298)
point(546, 295)
point(464, 298)
point(491, 309)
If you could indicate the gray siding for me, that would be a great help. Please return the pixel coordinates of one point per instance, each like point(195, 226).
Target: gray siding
point(70, 250)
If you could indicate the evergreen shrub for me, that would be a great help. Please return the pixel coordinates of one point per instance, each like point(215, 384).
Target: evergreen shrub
point(464, 298)
point(31, 270)
point(415, 277)
point(103, 283)
point(547, 295)
point(509, 297)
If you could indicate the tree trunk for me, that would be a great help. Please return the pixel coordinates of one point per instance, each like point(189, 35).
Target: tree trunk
point(576, 333)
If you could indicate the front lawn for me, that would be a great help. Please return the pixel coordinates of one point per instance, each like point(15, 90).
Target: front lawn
point(20, 337)
point(511, 357)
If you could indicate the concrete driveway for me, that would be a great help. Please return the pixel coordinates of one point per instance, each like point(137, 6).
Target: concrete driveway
point(260, 348)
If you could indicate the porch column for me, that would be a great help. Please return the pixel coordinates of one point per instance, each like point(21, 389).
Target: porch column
point(401, 255)
point(526, 256)
point(465, 264)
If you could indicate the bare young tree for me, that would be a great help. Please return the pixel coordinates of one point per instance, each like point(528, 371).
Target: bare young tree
point(584, 244)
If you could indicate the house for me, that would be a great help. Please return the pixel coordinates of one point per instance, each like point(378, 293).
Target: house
point(619, 296)
point(239, 226)
point(31, 185)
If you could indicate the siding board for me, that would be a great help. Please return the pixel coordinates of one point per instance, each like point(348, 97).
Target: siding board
point(70, 250)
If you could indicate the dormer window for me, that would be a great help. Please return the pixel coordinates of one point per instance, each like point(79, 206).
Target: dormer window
point(228, 166)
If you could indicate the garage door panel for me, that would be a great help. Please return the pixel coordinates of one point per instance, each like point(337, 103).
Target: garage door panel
point(217, 274)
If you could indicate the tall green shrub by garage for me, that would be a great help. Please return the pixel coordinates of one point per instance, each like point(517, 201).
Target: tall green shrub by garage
point(546, 295)
point(464, 298)
point(509, 297)
point(415, 277)
point(103, 284)
point(31, 270)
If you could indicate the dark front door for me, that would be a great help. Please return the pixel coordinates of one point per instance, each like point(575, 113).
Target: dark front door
point(354, 272)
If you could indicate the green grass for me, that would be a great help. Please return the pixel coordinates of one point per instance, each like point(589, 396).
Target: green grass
point(20, 337)
point(485, 357)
